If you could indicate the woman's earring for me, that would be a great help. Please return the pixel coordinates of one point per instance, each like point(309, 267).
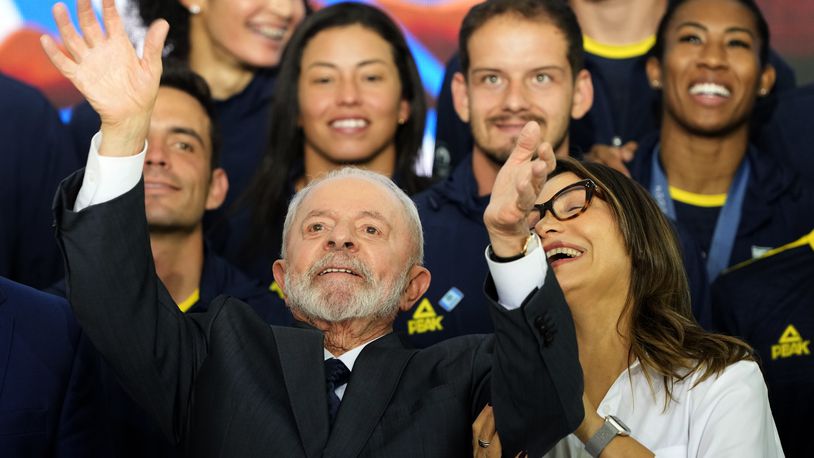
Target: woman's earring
point(763, 91)
point(194, 9)
point(655, 84)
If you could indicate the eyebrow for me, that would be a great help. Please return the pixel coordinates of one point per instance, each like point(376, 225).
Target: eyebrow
point(365, 213)
point(187, 131)
point(537, 69)
point(359, 64)
point(700, 26)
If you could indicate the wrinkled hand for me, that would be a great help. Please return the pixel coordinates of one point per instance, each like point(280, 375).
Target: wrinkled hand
point(614, 157)
point(517, 186)
point(104, 67)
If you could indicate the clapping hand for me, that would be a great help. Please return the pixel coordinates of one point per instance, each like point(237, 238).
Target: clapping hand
point(104, 67)
point(517, 186)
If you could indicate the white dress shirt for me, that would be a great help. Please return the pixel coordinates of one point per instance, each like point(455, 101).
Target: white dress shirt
point(724, 416)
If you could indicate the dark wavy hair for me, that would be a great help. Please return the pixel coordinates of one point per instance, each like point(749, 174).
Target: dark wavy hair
point(268, 194)
point(760, 22)
point(664, 336)
point(178, 17)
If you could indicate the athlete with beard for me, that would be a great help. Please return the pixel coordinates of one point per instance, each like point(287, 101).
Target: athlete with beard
point(522, 61)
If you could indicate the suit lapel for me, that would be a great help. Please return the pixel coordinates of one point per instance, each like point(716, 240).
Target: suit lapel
point(6, 334)
point(301, 357)
point(373, 381)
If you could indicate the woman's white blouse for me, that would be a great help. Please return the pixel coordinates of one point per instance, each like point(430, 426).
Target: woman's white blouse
point(724, 416)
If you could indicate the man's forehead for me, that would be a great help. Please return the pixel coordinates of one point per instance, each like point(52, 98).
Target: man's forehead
point(357, 194)
point(538, 42)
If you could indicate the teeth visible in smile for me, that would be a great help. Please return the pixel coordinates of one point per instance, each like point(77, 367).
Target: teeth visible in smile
point(709, 89)
point(349, 123)
point(341, 271)
point(275, 33)
point(570, 252)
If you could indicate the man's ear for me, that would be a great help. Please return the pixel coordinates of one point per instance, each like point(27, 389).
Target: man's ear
point(278, 270)
point(460, 96)
point(416, 287)
point(583, 97)
point(218, 188)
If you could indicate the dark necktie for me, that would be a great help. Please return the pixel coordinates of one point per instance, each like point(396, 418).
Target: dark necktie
point(336, 374)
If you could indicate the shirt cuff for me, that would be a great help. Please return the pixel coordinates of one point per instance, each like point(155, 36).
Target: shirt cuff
point(108, 177)
point(515, 280)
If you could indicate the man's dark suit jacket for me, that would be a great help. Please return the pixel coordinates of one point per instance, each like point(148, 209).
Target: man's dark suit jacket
point(46, 390)
point(225, 383)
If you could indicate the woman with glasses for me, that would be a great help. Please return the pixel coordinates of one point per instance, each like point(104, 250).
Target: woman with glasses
point(654, 381)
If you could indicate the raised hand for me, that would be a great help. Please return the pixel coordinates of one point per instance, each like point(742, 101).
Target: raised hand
point(104, 67)
point(516, 188)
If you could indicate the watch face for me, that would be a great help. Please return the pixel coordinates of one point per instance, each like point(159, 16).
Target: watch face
point(621, 428)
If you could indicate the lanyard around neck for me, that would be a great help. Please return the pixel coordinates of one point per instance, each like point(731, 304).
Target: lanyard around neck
point(726, 227)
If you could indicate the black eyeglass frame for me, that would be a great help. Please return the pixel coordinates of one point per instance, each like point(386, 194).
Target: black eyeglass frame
point(590, 190)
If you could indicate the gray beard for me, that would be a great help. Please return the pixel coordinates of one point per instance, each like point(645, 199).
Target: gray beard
point(374, 300)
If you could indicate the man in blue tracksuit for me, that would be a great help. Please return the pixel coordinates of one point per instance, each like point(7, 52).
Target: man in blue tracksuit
point(501, 87)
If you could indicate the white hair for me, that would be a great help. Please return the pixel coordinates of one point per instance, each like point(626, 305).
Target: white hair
point(410, 211)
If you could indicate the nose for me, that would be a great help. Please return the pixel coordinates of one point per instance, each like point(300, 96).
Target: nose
point(156, 156)
point(713, 55)
point(548, 225)
point(516, 98)
point(348, 92)
point(341, 238)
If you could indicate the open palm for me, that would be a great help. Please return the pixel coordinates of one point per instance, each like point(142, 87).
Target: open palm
point(104, 66)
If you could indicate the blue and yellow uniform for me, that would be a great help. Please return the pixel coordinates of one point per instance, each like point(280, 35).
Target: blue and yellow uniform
point(777, 206)
point(131, 431)
point(36, 156)
point(455, 237)
point(769, 302)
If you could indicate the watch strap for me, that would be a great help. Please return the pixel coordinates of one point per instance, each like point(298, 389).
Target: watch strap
point(602, 438)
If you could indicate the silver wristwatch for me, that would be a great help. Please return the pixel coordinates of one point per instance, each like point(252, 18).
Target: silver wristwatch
point(613, 427)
